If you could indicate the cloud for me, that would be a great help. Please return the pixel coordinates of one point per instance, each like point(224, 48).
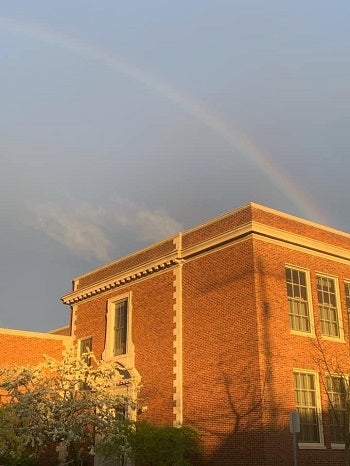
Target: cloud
point(77, 227)
point(145, 224)
point(99, 232)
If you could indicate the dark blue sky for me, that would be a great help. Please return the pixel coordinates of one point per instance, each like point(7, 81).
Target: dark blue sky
point(124, 122)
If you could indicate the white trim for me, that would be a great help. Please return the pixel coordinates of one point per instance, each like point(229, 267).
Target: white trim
point(75, 284)
point(310, 334)
point(177, 342)
point(29, 334)
point(320, 444)
point(129, 256)
point(127, 359)
point(232, 213)
point(338, 446)
point(333, 375)
point(251, 229)
point(312, 446)
point(74, 317)
point(338, 306)
point(123, 278)
point(59, 329)
point(79, 343)
point(346, 282)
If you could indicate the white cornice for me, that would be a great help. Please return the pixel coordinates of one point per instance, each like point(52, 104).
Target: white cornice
point(316, 246)
point(221, 239)
point(259, 231)
point(129, 256)
point(270, 210)
point(269, 234)
point(119, 280)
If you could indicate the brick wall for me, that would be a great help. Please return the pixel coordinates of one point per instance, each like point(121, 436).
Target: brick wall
point(284, 351)
point(152, 336)
point(27, 348)
point(222, 388)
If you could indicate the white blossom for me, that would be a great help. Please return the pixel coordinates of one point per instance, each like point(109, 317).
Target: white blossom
point(67, 401)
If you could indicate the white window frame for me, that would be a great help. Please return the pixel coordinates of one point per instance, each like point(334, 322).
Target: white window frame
point(311, 333)
point(108, 352)
point(338, 308)
point(80, 344)
point(320, 444)
point(335, 445)
point(347, 298)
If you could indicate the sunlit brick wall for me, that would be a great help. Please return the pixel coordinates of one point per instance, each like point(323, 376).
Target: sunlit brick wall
point(27, 348)
point(286, 351)
point(152, 336)
point(221, 362)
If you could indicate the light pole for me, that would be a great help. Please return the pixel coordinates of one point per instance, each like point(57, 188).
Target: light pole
point(294, 425)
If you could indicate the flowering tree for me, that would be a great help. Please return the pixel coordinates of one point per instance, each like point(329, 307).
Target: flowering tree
point(66, 402)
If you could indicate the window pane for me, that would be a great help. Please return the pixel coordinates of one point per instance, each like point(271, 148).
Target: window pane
point(327, 306)
point(120, 328)
point(298, 306)
point(85, 347)
point(337, 392)
point(306, 404)
point(347, 296)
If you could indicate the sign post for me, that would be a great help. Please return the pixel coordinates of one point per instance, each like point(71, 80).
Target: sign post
point(294, 425)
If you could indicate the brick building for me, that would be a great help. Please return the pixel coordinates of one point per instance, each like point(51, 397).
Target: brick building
point(223, 327)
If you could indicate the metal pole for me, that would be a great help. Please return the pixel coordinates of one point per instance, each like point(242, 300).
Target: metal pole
point(295, 450)
point(294, 425)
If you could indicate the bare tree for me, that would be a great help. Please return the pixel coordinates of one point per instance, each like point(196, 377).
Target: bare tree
point(336, 384)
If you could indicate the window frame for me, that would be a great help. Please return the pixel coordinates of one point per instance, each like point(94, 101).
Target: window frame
point(318, 409)
point(80, 346)
point(121, 327)
point(311, 332)
point(338, 307)
point(347, 298)
point(331, 376)
point(109, 350)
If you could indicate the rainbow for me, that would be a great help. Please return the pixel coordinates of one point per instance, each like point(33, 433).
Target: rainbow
point(215, 122)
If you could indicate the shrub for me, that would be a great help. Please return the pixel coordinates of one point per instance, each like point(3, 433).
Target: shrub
point(164, 445)
point(151, 445)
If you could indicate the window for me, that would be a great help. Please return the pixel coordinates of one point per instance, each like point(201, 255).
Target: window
point(120, 327)
point(118, 339)
point(298, 301)
point(347, 297)
point(328, 306)
point(337, 389)
point(307, 400)
point(84, 347)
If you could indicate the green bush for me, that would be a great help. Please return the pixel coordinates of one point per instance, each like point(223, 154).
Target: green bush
point(13, 450)
point(164, 445)
point(151, 445)
point(22, 460)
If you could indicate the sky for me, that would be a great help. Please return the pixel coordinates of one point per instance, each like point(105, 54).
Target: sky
point(123, 123)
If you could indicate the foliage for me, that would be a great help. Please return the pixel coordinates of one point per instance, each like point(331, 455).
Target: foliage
point(62, 401)
point(12, 447)
point(152, 445)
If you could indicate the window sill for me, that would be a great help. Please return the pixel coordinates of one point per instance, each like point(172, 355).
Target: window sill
point(303, 334)
point(312, 446)
point(338, 446)
point(119, 357)
point(335, 339)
